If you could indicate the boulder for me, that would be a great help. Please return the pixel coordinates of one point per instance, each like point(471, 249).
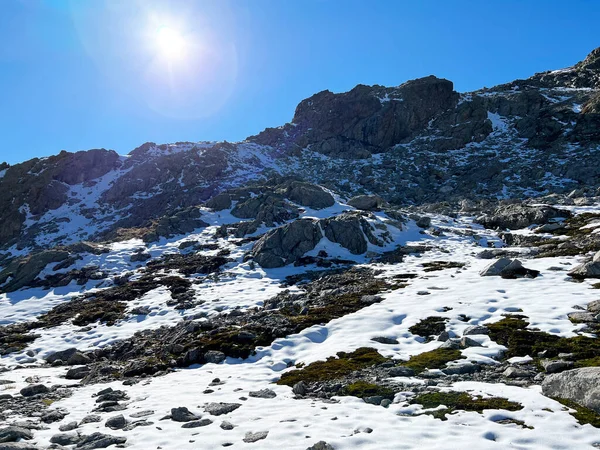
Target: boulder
point(219, 202)
point(284, 245)
point(586, 270)
point(508, 268)
point(578, 385)
point(13, 434)
point(367, 202)
point(514, 217)
point(34, 389)
point(309, 195)
point(347, 230)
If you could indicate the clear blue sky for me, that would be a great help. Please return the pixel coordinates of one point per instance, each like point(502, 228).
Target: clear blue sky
point(84, 74)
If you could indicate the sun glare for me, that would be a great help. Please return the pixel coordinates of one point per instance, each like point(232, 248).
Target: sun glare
point(171, 44)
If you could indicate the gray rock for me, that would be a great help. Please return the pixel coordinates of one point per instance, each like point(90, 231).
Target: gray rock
point(475, 330)
point(116, 422)
point(145, 413)
point(586, 270)
point(578, 385)
point(594, 307)
point(310, 195)
point(13, 434)
point(197, 423)
point(556, 366)
point(401, 371)
point(63, 355)
point(54, 416)
point(581, 317)
point(495, 268)
point(367, 202)
point(263, 393)
point(218, 409)
point(346, 230)
point(182, 414)
point(452, 343)
point(284, 245)
point(219, 202)
point(466, 342)
point(519, 216)
point(17, 446)
point(91, 419)
point(78, 373)
point(374, 400)
point(65, 439)
point(253, 437)
point(225, 425)
point(300, 388)
point(516, 372)
point(99, 440)
point(321, 445)
point(34, 389)
point(68, 426)
point(461, 369)
point(214, 356)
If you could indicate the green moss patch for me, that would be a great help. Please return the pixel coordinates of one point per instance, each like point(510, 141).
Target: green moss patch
point(512, 332)
point(582, 414)
point(433, 325)
point(434, 359)
point(363, 389)
point(461, 401)
point(334, 367)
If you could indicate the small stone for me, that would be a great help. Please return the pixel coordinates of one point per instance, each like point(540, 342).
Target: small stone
point(556, 366)
point(227, 425)
point(214, 356)
point(53, 416)
point(263, 393)
point(401, 371)
point(116, 422)
point(385, 340)
point(218, 409)
point(68, 426)
point(299, 388)
point(321, 445)
point(182, 414)
point(34, 389)
point(197, 423)
point(253, 437)
point(515, 372)
point(145, 413)
point(92, 418)
point(65, 439)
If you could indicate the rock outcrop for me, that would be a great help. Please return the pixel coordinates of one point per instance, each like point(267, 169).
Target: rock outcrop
point(578, 385)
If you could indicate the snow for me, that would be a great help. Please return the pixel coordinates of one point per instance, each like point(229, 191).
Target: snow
point(297, 424)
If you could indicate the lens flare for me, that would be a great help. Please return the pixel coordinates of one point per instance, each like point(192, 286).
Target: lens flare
point(171, 44)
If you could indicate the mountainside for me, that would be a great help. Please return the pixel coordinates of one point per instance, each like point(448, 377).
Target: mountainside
point(405, 267)
point(420, 142)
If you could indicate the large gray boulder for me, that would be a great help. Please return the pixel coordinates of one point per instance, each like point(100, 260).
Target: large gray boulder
point(578, 385)
point(514, 217)
point(589, 269)
point(284, 245)
point(309, 195)
point(347, 230)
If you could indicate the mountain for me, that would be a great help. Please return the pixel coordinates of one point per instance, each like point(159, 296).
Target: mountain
point(420, 142)
point(402, 267)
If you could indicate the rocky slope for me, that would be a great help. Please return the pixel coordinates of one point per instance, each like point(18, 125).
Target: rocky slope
point(420, 142)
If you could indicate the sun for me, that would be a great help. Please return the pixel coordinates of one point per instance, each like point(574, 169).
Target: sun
point(171, 44)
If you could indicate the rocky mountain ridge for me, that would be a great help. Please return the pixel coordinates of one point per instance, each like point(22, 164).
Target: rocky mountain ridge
point(420, 142)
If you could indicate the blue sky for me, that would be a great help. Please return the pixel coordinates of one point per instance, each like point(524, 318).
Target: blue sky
point(84, 74)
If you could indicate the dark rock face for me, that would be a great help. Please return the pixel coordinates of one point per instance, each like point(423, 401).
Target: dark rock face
point(286, 244)
point(346, 230)
point(364, 120)
point(307, 194)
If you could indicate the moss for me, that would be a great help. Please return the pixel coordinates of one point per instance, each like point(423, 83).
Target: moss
point(461, 401)
point(582, 414)
point(334, 367)
point(517, 422)
point(596, 286)
point(433, 325)
point(441, 265)
point(434, 359)
point(363, 389)
point(513, 333)
point(48, 401)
